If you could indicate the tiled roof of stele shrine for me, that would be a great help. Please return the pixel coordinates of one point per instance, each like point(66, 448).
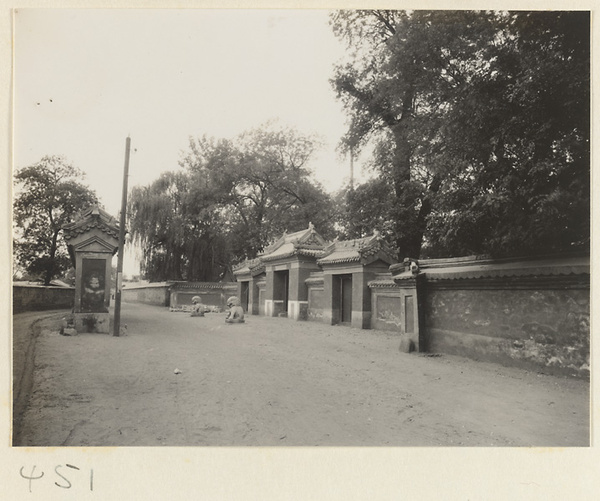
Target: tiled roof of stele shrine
point(93, 217)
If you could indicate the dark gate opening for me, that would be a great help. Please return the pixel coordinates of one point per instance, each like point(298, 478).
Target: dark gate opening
point(281, 289)
point(342, 299)
point(245, 295)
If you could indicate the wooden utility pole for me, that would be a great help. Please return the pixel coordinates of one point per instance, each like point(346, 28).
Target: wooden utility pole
point(119, 284)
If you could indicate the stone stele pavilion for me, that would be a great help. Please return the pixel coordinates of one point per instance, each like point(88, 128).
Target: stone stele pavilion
point(92, 240)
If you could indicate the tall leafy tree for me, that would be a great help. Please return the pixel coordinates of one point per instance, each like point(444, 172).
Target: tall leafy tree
point(364, 208)
point(174, 220)
point(480, 121)
point(264, 185)
point(231, 198)
point(49, 195)
point(525, 131)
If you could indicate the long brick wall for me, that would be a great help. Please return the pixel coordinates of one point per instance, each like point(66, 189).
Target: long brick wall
point(38, 297)
point(529, 313)
point(540, 324)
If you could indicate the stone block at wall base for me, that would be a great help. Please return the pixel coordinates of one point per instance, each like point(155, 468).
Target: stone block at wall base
point(407, 345)
point(303, 314)
point(92, 322)
point(361, 319)
point(278, 308)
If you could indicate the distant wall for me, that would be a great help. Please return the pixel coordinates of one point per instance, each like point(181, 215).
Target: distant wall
point(178, 295)
point(213, 294)
point(157, 294)
point(37, 297)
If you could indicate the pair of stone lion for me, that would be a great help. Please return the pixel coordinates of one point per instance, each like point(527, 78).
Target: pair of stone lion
point(235, 314)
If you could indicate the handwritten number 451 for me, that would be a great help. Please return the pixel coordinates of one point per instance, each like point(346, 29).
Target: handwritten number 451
point(63, 482)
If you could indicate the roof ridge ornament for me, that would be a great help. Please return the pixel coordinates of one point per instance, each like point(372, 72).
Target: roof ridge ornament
point(412, 265)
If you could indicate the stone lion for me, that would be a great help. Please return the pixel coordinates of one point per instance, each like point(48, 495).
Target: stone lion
point(198, 307)
point(235, 313)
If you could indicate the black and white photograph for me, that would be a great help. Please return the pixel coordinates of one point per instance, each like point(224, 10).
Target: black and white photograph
point(300, 229)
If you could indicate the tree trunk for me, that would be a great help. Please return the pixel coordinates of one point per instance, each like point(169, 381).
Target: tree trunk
point(407, 242)
point(424, 211)
point(50, 269)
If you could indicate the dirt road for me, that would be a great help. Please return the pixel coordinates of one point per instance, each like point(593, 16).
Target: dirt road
point(277, 382)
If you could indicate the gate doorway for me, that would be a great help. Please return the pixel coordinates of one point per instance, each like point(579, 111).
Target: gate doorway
point(245, 295)
point(343, 298)
point(281, 291)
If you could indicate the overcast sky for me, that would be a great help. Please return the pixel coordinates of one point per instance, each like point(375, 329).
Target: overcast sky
point(85, 79)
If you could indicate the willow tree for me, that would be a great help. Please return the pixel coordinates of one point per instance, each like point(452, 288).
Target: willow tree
point(175, 223)
point(479, 122)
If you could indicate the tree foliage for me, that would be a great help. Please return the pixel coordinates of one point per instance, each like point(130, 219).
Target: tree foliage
point(231, 198)
point(171, 220)
point(49, 195)
point(366, 207)
point(480, 122)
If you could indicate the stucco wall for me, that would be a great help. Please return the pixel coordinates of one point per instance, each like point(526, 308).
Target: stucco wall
point(315, 303)
point(212, 294)
point(387, 310)
point(167, 294)
point(35, 298)
point(526, 327)
point(157, 295)
point(528, 312)
point(207, 297)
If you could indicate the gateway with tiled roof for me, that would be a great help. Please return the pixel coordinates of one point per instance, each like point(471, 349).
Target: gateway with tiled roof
point(362, 250)
point(251, 267)
point(249, 274)
point(273, 283)
point(301, 275)
point(343, 295)
point(301, 243)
